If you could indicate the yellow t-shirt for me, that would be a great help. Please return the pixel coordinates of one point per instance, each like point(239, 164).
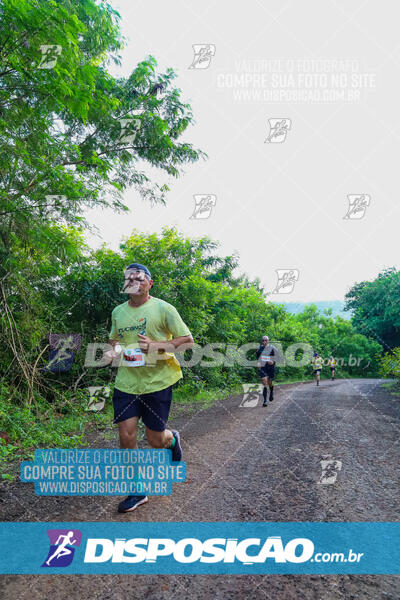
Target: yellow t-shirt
point(160, 321)
point(317, 362)
point(332, 362)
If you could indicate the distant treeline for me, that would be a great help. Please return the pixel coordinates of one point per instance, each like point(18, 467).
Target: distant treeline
point(336, 308)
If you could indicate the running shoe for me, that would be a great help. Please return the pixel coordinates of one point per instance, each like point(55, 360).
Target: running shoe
point(131, 502)
point(265, 403)
point(177, 449)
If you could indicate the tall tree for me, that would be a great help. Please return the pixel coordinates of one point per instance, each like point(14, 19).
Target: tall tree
point(71, 135)
point(376, 306)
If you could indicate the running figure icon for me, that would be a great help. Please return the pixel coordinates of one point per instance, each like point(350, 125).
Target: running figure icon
point(62, 549)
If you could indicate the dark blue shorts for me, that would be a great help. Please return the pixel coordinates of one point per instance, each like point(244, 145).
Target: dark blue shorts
point(153, 408)
point(267, 371)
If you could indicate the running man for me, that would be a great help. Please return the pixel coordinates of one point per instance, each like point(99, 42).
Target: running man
point(317, 365)
point(62, 549)
point(146, 331)
point(332, 364)
point(267, 355)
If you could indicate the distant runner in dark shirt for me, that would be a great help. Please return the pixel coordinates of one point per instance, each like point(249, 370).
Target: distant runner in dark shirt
point(267, 356)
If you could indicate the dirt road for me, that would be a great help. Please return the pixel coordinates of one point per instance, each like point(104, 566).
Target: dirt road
point(250, 464)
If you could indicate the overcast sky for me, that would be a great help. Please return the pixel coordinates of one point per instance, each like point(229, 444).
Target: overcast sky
point(281, 190)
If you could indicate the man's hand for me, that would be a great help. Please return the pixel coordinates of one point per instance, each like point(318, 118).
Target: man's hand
point(144, 343)
point(110, 355)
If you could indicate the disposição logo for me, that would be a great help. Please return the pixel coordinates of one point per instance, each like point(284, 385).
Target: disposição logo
point(62, 547)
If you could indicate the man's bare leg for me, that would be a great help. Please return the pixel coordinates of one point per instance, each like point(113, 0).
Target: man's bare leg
point(166, 439)
point(159, 439)
point(128, 440)
point(128, 433)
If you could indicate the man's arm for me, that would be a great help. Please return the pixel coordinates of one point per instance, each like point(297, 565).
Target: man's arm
point(110, 355)
point(181, 339)
point(113, 340)
point(178, 344)
point(278, 358)
point(113, 333)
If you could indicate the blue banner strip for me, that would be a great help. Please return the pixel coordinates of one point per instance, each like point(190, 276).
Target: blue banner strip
point(194, 548)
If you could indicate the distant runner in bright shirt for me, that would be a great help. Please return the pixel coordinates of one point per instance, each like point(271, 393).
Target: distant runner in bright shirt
point(332, 364)
point(317, 362)
point(145, 333)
